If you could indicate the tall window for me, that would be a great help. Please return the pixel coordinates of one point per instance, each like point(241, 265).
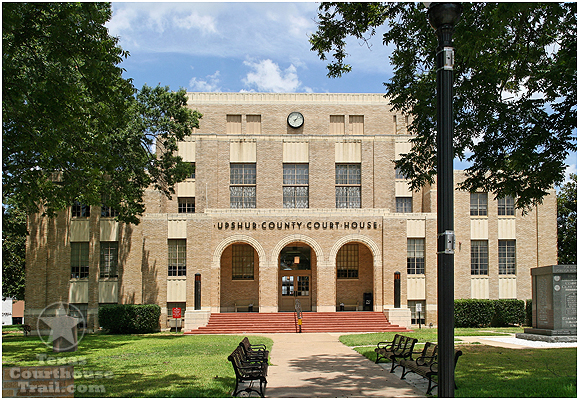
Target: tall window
point(242, 262)
point(478, 203)
point(507, 257)
point(347, 261)
point(79, 260)
point(242, 189)
point(348, 186)
point(296, 190)
point(415, 256)
point(479, 257)
point(80, 210)
point(403, 204)
point(186, 205)
point(506, 206)
point(109, 259)
point(177, 257)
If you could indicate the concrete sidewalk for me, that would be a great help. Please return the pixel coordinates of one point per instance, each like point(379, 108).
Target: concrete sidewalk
point(318, 365)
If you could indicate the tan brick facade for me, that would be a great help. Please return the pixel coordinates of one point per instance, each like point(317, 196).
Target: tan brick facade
point(380, 232)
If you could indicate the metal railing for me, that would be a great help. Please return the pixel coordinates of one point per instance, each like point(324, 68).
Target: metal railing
point(298, 316)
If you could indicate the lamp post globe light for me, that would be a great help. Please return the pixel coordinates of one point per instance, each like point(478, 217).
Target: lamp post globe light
point(443, 17)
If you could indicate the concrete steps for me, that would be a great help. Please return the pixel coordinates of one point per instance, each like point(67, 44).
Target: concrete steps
point(349, 321)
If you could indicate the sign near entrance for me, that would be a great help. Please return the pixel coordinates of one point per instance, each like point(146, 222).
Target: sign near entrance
point(176, 312)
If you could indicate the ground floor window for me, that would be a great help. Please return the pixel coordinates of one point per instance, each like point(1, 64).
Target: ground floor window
point(242, 263)
point(417, 311)
point(347, 261)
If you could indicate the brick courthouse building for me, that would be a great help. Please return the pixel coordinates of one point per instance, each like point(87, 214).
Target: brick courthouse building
point(293, 195)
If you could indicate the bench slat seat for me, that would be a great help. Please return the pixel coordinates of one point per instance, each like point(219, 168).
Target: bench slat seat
point(400, 347)
point(426, 365)
point(248, 371)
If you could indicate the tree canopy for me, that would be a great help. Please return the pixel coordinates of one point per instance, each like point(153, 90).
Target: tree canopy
point(515, 88)
point(567, 222)
point(13, 251)
point(73, 128)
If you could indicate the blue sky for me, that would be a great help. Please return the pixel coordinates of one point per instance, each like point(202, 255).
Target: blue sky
point(238, 46)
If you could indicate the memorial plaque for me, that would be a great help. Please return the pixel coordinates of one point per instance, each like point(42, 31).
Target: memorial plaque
point(554, 304)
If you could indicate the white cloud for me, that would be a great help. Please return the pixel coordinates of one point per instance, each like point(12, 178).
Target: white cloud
point(204, 23)
point(266, 76)
point(211, 84)
point(571, 169)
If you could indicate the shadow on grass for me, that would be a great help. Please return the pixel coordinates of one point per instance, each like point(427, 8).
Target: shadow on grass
point(136, 384)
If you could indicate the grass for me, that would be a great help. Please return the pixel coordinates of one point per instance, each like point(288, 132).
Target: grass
point(11, 328)
point(488, 371)
point(161, 365)
point(423, 335)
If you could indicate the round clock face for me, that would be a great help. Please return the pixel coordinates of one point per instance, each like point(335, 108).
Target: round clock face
point(295, 119)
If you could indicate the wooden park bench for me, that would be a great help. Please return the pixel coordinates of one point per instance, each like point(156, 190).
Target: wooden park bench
point(244, 304)
point(426, 364)
point(254, 352)
point(399, 348)
point(349, 303)
point(247, 371)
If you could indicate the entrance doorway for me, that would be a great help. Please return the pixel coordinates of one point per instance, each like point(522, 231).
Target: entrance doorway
point(295, 274)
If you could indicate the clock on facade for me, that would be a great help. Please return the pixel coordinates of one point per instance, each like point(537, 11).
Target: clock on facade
point(295, 119)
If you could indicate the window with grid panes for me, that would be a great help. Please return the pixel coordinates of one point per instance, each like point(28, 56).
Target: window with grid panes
point(348, 186)
point(507, 257)
point(108, 212)
point(296, 189)
point(403, 204)
point(186, 205)
point(347, 262)
point(506, 206)
point(79, 260)
point(80, 210)
point(478, 204)
point(109, 260)
point(415, 256)
point(242, 262)
point(192, 176)
point(479, 257)
point(399, 174)
point(242, 192)
point(177, 263)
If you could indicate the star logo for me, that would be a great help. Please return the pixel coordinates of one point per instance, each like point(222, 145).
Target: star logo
point(59, 318)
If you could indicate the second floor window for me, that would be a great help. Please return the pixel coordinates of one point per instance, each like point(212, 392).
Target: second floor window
point(348, 186)
point(295, 186)
point(109, 259)
point(415, 256)
point(79, 260)
point(242, 193)
point(478, 204)
point(507, 257)
point(107, 212)
point(479, 257)
point(177, 257)
point(403, 204)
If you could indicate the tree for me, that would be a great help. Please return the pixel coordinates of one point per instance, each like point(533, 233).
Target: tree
point(515, 89)
point(13, 251)
point(567, 222)
point(73, 128)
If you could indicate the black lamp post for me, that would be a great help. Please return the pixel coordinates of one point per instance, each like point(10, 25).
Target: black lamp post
point(443, 17)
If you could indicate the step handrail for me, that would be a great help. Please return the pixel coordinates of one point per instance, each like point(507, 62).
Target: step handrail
point(298, 315)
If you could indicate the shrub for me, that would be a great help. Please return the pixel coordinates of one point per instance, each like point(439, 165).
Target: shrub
point(529, 313)
point(508, 312)
point(130, 318)
point(473, 313)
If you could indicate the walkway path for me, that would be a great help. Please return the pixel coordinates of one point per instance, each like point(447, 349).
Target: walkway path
point(318, 365)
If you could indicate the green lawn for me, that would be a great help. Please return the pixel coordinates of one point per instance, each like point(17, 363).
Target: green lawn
point(488, 371)
point(144, 365)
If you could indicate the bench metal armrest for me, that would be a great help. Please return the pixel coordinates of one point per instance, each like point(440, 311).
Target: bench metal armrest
point(257, 347)
point(385, 344)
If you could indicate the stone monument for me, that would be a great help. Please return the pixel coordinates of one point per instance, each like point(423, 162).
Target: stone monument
point(554, 304)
